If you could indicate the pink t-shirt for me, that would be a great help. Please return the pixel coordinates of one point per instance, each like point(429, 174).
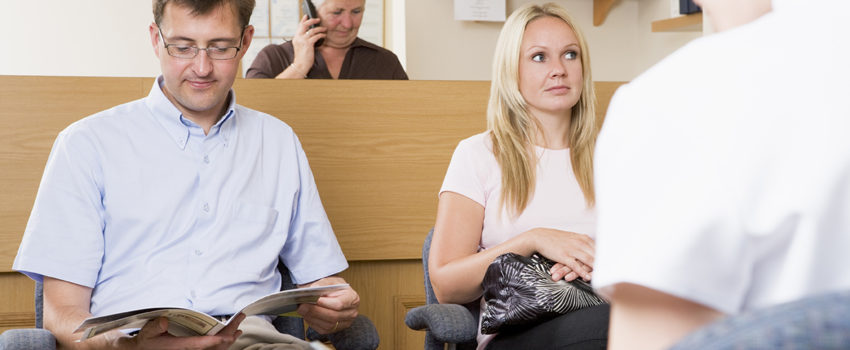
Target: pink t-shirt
point(557, 201)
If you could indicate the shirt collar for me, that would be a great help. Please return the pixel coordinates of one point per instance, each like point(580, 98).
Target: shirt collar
point(363, 43)
point(171, 119)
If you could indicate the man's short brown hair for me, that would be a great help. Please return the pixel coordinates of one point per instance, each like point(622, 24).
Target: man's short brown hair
point(243, 8)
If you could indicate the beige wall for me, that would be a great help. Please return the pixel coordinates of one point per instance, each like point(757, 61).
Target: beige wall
point(438, 47)
point(109, 38)
point(655, 46)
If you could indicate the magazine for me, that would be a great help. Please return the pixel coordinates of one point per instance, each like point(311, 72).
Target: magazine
point(186, 322)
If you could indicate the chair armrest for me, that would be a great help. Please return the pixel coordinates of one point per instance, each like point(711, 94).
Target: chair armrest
point(362, 335)
point(27, 339)
point(449, 323)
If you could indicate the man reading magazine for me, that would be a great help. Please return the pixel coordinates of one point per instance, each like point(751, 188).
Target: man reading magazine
point(182, 199)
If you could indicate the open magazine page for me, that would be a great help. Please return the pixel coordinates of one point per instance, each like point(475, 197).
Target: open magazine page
point(185, 322)
point(181, 322)
point(288, 300)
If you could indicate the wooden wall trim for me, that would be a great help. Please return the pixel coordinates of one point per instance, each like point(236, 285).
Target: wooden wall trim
point(17, 320)
point(401, 305)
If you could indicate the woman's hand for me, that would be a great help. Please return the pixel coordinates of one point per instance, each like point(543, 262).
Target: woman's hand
point(561, 271)
point(572, 252)
point(303, 44)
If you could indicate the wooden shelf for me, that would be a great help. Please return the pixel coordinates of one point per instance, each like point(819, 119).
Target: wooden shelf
point(600, 10)
point(686, 23)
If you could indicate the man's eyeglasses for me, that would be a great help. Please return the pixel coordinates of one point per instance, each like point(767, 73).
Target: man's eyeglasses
point(213, 52)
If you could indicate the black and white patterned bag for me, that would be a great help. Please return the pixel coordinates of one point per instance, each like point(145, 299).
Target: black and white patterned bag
point(519, 292)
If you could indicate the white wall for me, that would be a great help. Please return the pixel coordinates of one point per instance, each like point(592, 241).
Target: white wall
point(110, 38)
point(82, 37)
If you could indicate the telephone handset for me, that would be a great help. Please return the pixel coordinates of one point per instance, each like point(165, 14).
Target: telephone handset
point(310, 10)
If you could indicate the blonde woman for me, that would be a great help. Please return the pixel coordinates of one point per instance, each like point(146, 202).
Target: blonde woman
point(526, 184)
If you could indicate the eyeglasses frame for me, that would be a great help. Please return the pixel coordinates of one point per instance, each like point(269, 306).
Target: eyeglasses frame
point(197, 50)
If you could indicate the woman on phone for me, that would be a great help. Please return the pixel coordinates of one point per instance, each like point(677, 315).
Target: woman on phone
point(526, 184)
point(326, 46)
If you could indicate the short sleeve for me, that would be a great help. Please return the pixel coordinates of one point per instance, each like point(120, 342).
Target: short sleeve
point(666, 205)
point(311, 251)
point(465, 175)
point(64, 234)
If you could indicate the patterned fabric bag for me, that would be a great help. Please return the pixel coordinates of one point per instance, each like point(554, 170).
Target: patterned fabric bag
point(519, 292)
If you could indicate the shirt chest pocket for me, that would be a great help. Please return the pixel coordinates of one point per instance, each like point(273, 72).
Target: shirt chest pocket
point(254, 241)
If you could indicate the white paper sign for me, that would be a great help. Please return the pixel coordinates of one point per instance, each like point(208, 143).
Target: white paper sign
point(260, 19)
point(284, 17)
point(480, 10)
point(372, 26)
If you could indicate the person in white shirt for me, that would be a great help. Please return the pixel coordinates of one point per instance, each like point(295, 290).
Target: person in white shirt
point(526, 185)
point(723, 173)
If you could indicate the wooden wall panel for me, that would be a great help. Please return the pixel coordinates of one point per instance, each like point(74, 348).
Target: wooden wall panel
point(17, 304)
point(387, 290)
point(378, 149)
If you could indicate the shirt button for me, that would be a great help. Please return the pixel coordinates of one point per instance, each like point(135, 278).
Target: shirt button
point(206, 159)
point(193, 294)
point(198, 252)
point(207, 207)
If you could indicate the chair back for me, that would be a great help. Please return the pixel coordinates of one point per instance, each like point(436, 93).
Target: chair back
point(474, 307)
point(430, 297)
point(39, 305)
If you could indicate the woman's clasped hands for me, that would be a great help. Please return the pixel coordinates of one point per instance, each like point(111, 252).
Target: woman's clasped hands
point(573, 253)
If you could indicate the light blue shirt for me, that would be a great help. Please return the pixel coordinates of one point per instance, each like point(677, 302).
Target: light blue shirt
point(138, 204)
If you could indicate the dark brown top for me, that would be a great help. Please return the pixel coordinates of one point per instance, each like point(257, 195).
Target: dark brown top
point(363, 60)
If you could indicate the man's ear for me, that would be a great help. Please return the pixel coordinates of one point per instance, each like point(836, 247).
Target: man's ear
point(246, 40)
point(154, 32)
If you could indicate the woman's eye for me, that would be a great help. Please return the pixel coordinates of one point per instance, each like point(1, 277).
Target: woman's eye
point(571, 55)
point(537, 57)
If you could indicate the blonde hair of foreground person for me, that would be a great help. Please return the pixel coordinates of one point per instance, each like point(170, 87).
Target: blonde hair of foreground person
point(514, 129)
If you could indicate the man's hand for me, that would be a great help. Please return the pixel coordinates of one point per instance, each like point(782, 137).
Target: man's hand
point(154, 335)
point(334, 311)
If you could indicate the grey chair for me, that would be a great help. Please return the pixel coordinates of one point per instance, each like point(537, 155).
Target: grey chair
point(362, 334)
point(452, 324)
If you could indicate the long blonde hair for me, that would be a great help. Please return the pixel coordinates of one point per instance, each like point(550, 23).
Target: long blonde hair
point(513, 129)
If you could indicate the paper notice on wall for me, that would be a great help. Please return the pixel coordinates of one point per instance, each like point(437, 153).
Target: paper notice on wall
point(372, 26)
point(260, 20)
point(480, 10)
point(285, 15)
